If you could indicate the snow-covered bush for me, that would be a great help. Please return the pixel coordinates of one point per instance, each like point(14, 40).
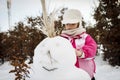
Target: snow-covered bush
point(17, 45)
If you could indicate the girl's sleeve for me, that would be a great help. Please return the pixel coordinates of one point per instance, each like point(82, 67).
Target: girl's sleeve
point(90, 47)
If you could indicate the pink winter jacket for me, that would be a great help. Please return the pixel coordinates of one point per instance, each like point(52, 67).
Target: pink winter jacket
point(87, 44)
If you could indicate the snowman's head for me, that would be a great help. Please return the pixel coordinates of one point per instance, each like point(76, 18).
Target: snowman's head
point(55, 51)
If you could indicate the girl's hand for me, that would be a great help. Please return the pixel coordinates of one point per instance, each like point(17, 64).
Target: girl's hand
point(79, 53)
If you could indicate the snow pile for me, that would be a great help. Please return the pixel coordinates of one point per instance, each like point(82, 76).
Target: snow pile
point(105, 71)
point(54, 59)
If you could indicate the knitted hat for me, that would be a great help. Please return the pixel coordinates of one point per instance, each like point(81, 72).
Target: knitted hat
point(72, 16)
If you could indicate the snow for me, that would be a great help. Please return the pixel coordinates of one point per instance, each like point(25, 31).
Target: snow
point(4, 72)
point(103, 70)
point(55, 58)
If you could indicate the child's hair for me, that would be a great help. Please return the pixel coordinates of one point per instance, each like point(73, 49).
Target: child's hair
point(78, 25)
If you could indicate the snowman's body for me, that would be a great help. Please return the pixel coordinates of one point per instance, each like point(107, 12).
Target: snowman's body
point(54, 59)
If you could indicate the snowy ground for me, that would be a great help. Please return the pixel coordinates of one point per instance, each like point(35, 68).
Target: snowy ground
point(104, 71)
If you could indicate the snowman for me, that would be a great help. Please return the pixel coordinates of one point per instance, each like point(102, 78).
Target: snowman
point(54, 58)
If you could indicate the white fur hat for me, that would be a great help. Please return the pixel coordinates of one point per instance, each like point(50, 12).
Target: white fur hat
point(72, 16)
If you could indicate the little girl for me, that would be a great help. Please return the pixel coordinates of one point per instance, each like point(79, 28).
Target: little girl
point(84, 44)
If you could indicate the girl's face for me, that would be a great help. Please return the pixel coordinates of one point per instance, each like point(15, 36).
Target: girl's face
point(70, 26)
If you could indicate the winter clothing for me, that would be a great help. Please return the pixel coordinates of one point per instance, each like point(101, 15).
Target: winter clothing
point(93, 78)
point(80, 40)
point(72, 16)
point(74, 32)
point(83, 41)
